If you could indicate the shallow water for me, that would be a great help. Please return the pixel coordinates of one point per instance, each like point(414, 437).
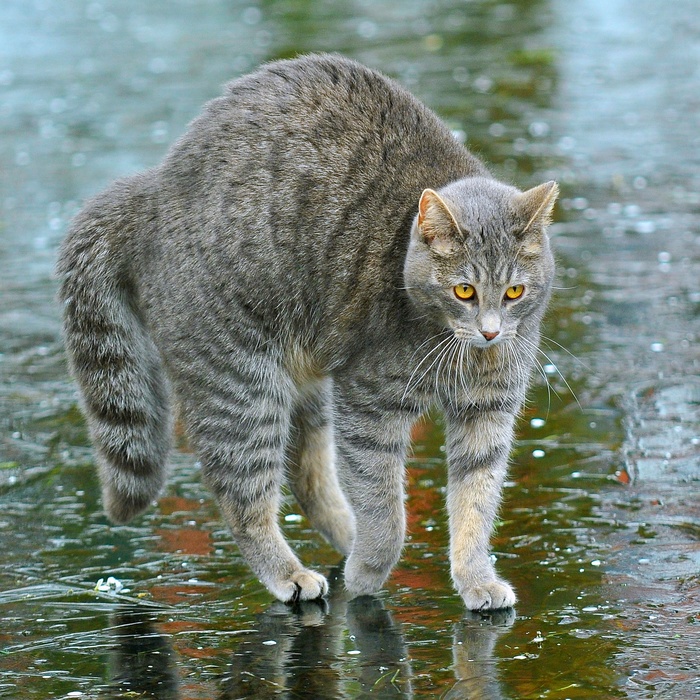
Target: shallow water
point(600, 524)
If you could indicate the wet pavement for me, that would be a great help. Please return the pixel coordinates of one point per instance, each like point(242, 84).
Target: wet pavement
point(600, 527)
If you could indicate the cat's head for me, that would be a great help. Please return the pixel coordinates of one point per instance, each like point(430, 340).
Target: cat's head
point(479, 260)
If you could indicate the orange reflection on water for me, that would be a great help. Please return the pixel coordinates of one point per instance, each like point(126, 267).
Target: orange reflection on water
point(185, 540)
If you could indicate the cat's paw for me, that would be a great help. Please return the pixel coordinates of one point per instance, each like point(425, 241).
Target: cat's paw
point(491, 595)
point(303, 584)
point(363, 579)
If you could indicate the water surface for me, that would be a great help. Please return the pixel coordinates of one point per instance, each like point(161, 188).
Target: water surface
point(599, 528)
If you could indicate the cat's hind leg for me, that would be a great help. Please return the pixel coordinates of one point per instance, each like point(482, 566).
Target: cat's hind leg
point(311, 466)
point(239, 420)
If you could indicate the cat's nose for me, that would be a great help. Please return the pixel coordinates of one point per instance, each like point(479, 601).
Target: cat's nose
point(489, 335)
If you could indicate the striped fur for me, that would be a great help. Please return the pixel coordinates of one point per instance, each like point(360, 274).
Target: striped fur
point(272, 277)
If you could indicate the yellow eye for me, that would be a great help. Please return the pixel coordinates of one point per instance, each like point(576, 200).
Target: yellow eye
point(515, 292)
point(464, 292)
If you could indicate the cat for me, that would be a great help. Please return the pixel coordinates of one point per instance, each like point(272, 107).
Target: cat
point(315, 263)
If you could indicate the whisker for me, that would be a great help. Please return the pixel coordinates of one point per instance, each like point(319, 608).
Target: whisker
point(540, 369)
point(454, 360)
point(523, 371)
point(438, 371)
point(551, 362)
point(568, 352)
point(425, 342)
point(411, 384)
point(462, 379)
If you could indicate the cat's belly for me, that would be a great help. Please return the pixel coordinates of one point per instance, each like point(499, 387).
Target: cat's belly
point(302, 366)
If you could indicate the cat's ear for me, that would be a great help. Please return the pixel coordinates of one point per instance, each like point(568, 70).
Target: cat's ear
point(536, 205)
point(436, 224)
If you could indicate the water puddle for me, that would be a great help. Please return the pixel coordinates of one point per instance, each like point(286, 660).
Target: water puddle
point(601, 518)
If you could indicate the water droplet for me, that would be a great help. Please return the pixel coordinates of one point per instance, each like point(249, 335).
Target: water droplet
point(157, 65)
point(251, 16)
point(460, 75)
point(159, 132)
point(567, 143)
point(367, 29)
point(657, 347)
point(293, 518)
point(645, 227)
point(433, 42)
point(596, 562)
point(483, 84)
point(538, 129)
point(537, 422)
point(269, 643)
point(354, 651)
point(664, 256)
point(57, 105)
point(538, 454)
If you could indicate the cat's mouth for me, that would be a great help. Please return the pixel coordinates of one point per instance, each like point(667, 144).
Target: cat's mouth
point(479, 339)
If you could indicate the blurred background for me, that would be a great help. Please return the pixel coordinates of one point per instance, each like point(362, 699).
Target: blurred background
point(600, 523)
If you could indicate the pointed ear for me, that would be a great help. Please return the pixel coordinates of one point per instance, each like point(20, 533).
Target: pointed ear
point(536, 205)
point(436, 223)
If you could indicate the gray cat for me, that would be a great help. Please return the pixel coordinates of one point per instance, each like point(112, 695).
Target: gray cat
point(315, 263)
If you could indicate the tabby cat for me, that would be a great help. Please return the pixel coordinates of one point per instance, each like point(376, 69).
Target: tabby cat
point(315, 263)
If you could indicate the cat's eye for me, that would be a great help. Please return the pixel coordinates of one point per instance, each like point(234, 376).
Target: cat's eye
point(515, 292)
point(465, 292)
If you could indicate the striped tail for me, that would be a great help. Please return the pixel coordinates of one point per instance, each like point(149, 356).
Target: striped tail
point(122, 383)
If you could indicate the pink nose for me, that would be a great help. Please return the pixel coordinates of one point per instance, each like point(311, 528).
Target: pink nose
point(489, 336)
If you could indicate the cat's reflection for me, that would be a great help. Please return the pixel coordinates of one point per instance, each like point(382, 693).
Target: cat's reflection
point(474, 663)
point(334, 649)
point(142, 662)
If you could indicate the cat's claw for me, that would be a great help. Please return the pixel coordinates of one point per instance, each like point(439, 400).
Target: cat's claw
point(301, 585)
point(494, 595)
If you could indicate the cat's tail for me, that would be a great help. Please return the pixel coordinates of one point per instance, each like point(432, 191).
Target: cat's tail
point(124, 389)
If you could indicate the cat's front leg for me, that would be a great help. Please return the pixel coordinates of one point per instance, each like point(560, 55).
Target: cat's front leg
point(371, 447)
point(478, 443)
